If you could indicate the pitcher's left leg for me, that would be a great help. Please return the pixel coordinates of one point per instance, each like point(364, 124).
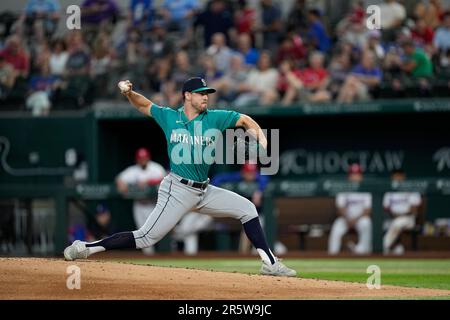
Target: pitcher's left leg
point(218, 202)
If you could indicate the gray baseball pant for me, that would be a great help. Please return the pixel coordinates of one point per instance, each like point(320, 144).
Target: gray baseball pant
point(175, 199)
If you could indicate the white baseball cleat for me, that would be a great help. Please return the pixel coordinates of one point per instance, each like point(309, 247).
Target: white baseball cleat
point(77, 250)
point(277, 269)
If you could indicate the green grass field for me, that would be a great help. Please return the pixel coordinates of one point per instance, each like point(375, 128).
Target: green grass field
point(407, 273)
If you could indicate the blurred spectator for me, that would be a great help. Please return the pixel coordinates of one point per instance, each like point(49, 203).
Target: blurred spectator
point(418, 65)
point(421, 34)
point(58, 57)
point(291, 48)
point(103, 226)
point(297, 20)
point(101, 62)
point(41, 90)
point(98, 15)
point(183, 70)
point(141, 175)
point(339, 68)
point(169, 95)
point(78, 62)
point(270, 24)
point(209, 70)
point(244, 18)
point(244, 47)
point(159, 42)
point(210, 73)
point(373, 44)
point(362, 80)
point(353, 27)
point(14, 54)
point(140, 14)
point(394, 77)
point(178, 14)
point(228, 86)
point(43, 12)
point(7, 20)
point(220, 52)
point(392, 15)
point(261, 84)
point(78, 231)
point(444, 63)
point(318, 38)
point(97, 12)
point(345, 47)
point(40, 52)
point(134, 57)
point(158, 73)
point(7, 78)
point(402, 208)
point(354, 210)
point(216, 18)
point(431, 11)
point(441, 39)
point(77, 87)
point(392, 61)
point(355, 16)
point(308, 84)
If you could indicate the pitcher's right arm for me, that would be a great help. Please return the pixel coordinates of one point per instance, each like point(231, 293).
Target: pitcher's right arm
point(141, 103)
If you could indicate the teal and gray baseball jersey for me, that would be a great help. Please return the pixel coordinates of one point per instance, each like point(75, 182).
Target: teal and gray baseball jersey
point(187, 140)
point(180, 192)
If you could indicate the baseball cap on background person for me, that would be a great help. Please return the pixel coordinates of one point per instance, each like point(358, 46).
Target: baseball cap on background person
point(355, 172)
point(143, 157)
point(249, 167)
point(142, 153)
point(196, 85)
point(103, 227)
point(249, 171)
point(102, 210)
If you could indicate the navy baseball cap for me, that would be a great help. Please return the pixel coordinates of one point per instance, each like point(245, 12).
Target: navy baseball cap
point(195, 85)
point(101, 208)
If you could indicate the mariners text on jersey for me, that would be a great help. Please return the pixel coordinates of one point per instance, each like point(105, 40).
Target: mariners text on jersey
point(177, 137)
point(188, 140)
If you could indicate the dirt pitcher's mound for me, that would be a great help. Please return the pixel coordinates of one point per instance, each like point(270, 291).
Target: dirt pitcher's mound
point(33, 278)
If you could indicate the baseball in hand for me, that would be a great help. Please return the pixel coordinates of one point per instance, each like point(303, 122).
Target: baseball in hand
point(124, 86)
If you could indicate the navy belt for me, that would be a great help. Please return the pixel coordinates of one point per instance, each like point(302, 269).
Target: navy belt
point(195, 184)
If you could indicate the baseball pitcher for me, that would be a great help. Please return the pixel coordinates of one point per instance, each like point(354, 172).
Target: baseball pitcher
point(186, 188)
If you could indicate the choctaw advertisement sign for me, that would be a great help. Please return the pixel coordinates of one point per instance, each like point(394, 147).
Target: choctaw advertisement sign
point(302, 161)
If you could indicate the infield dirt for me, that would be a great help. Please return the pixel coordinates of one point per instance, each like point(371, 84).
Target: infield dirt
point(42, 278)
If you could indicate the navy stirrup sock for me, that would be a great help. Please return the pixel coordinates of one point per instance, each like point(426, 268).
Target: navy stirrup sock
point(122, 240)
point(256, 236)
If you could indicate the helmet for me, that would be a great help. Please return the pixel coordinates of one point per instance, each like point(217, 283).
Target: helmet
point(354, 168)
point(142, 153)
point(249, 167)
